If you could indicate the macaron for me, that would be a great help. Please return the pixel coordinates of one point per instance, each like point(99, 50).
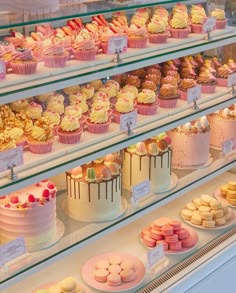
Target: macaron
point(186, 214)
point(217, 213)
point(220, 221)
point(167, 230)
point(127, 264)
point(182, 233)
point(197, 202)
point(148, 241)
point(175, 224)
point(204, 209)
point(208, 224)
point(127, 275)
point(232, 185)
point(102, 264)
point(224, 190)
point(215, 204)
point(171, 238)
point(188, 242)
point(115, 260)
point(196, 220)
point(164, 243)
point(116, 269)
point(190, 206)
point(68, 285)
point(175, 246)
point(206, 199)
point(101, 275)
point(160, 223)
point(145, 231)
point(55, 289)
point(206, 215)
point(155, 234)
point(114, 280)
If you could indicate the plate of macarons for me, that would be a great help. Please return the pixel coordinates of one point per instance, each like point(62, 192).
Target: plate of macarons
point(113, 272)
point(175, 237)
point(206, 212)
point(226, 194)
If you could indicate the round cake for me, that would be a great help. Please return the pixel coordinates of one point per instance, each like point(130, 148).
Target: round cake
point(223, 126)
point(148, 160)
point(191, 143)
point(29, 212)
point(94, 190)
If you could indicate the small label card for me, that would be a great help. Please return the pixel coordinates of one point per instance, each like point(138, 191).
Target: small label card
point(194, 93)
point(128, 121)
point(209, 24)
point(12, 250)
point(228, 146)
point(117, 44)
point(140, 190)
point(231, 79)
point(2, 70)
point(13, 156)
point(155, 255)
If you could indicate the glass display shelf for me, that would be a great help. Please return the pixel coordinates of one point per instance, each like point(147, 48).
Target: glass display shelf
point(17, 87)
point(63, 157)
point(89, 8)
point(126, 240)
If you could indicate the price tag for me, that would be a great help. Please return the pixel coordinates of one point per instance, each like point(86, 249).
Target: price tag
point(2, 70)
point(194, 93)
point(117, 44)
point(128, 121)
point(13, 156)
point(140, 190)
point(228, 146)
point(231, 79)
point(209, 24)
point(12, 250)
point(155, 255)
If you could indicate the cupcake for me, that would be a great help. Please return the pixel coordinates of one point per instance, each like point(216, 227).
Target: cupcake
point(96, 84)
point(148, 84)
point(221, 21)
point(198, 17)
point(19, 105)
point(185, 85)
point(56, 103)
point(84, 47)
point(71, 90)
point(147, 102)
point(26, 122)
point(137, 37)
point(54, 119)
point(34, 110)
point(208, 81)
point(223, 73)
point(123, 105)
point(6, 53)
point(35, 46)
point(54, 55)
point(41, 139)
point(17, 134)
point(232, 65)
point(6, 142)
point(141, 17)
point(69, 130)
point(179, 25)
point(106, 34)
point(157, 31)
point(23, 62)
point(98, 120)
point(75, 111)
point(133, 80)
point(169, 80)
point(168, 96)
point(163, 14)
point(16, 39)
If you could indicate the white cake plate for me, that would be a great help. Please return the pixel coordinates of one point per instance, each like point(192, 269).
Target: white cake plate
point(208, 163)
point(122, 210)
point(173, 182)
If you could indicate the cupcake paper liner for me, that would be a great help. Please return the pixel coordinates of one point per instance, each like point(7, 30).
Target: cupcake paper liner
point(181, 33)
point(183, 95)
point(104, 47)
point(99, 127)
point(55, 60)
point(167, 103)
point(85, 55)
point(221, 24)
point(140, 42)
point(40, 147)
point(147, 109)
point(223, 82)
point(197, 28)
point(208, 88)
point(158, 38)
point(69, 137)
point(24, 67)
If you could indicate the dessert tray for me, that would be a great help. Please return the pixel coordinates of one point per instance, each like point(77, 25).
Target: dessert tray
point(172, 185)
point(90, 266)
point(222, 199)
point(79, 287)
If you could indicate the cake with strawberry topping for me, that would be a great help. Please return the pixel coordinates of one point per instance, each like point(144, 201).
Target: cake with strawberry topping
point(29, 212)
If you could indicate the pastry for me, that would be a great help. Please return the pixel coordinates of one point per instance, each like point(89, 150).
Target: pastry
point(69, 130)
point(23, 62)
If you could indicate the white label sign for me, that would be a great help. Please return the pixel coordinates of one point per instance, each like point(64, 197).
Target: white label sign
point(228, 146)
point(155, 255)
point(13, 156)
point(12, 250)
point(2, 70)
point(232, 79)
point(194, 93)
point(128, 121)
point(209, 24)
point(140, 190)
point(117, 44)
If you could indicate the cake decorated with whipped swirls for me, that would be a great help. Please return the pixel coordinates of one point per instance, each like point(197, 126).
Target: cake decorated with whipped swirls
point(191, 143)
point(29, 212)
point(223, 126)
point(94, 189)
point(148, 160)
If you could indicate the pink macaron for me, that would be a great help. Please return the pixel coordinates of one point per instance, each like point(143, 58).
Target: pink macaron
point(116, 269)
point(182, 233)
point(127, 264)
point(127, 275)
point(145, 231)
point(101, 275)
point(148, 241)
point(114, 280)
point(189, 241)
point(167, 230)
point(165, 245)
point(175, 246)
point(175, 224)
point(155, 234)
point(171, 238)
point(159, 223)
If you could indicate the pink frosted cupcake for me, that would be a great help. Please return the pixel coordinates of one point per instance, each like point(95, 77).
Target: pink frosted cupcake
point(84, 47)
point(168, 96)
point(69, 131)
point(198, 17)
point(41, 139)
point(106, 34)
point(75, 111)
point(208, 81)
point(54, 55)
point(124, 105)
point(16, 39)
point(157, 31)
point(35, 46)
point(23, 62)
point(223, 73)
point(179, 24)
point(17, 134)
point(137, 37)
point(98, 120)
point(221, 21)
point(185, 85)
point(6, 53)
point(147, 102)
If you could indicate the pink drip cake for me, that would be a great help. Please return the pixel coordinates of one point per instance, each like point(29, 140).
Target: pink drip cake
point(94, 190)
point(191, 143)
point(223, 126)
point(29, 212)
point(149, 160)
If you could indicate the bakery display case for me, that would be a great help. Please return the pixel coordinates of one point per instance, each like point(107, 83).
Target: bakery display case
point(144, 177)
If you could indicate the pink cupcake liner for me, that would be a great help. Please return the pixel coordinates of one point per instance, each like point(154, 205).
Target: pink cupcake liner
point(197, 28)
point(21, 142)
point(167, 103)
point(104, 47)
point(24, 68)
point(140, 42)
point(221, 24)
point(183, 95)
point(147, 109)
point(181, 33)
point(223, 82)
point(40, 147)
point(208, 88)
point(82, 121)
point(69, 137)
point(55, 60)
point(99, 127)
point(85, 55)
point(69, 50)
point(158, 38)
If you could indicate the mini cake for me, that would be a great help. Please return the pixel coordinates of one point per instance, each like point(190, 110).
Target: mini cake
point(29, 212)
point(94, 190)
point(223, 126)
point(149, 160)
point(221, 20)
point(191, 143)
